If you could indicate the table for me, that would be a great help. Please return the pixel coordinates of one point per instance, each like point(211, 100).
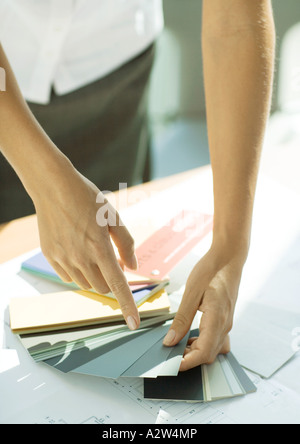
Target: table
point(19, 236)
point(33, 393)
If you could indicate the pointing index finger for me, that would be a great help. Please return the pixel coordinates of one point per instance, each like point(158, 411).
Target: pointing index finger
point(117, 282)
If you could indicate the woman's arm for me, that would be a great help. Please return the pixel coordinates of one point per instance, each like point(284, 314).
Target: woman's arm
point(238, 42)
point(75, 245)
point(238, 53)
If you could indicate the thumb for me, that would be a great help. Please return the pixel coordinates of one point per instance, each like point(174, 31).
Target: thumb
point(182, 321)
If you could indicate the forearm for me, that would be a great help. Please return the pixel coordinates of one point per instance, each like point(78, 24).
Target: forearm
point(238, 71)
point(23, 142)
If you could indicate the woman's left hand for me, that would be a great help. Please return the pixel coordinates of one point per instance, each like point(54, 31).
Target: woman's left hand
point(212, 288)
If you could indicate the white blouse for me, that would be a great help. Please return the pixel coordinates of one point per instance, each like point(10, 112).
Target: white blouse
point(68, 44)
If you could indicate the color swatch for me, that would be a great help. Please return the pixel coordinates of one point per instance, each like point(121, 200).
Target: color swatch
point(67, 309)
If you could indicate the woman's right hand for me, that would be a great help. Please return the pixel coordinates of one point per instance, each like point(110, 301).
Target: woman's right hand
point(78, 247)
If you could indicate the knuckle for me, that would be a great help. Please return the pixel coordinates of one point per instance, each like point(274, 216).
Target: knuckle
point(66, 279)
point(226, 349)
point(208, 357)
point(54, 253)
point(74, 272)
point(229, 326)
point(125, 307)
point(50, 257)
point(83, 285)
point(78, 260)
point(102, 289)
point(224, 321)
point(129, 243)
point(210, 360)
point(181, 320)
point(118, 286)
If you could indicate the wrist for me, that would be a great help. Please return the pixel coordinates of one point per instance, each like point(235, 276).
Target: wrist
point(51, 169)
point(231, 247)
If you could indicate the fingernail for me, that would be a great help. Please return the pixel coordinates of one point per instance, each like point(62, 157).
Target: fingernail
point(132, 325)
point(169, 339)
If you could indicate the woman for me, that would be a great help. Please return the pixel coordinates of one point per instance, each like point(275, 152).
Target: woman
point(238, 41)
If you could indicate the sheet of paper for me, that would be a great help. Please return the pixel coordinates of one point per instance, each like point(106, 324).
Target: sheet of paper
point(271, 272)
point(262, 337)
point(281, 289)
point(271, 404)
point(8, 360)
point(162, 251)
point(99, 402)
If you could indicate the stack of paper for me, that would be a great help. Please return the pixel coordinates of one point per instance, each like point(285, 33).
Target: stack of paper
point(110, 352)
point(44, 346)
point(85, 333)
point(142, 287)
point(67, 309)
